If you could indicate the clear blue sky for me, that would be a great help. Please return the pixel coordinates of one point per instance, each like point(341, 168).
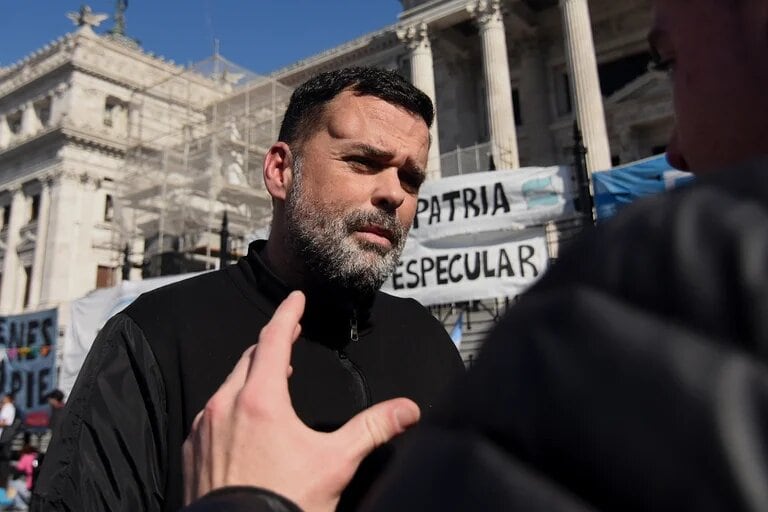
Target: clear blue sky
point(261, 35)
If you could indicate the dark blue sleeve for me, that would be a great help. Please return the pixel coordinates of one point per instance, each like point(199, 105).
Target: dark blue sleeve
point(242, 499)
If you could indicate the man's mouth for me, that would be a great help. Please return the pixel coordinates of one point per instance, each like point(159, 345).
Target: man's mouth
point(376, 235)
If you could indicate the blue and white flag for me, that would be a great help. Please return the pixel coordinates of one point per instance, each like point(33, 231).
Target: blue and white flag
point(458, 329)
point(620, 186)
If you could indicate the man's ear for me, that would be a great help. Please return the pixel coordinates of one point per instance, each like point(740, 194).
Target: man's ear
point(278, 170)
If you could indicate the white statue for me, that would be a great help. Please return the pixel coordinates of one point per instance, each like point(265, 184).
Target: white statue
point(234, 170)
point(85, 16)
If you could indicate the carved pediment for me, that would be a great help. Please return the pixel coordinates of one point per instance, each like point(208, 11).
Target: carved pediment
point(648, 87)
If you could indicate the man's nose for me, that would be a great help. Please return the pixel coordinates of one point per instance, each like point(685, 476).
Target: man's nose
point(674, 153)
point(388, 193)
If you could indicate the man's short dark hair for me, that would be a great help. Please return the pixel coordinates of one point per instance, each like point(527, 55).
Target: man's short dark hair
point(308, 101)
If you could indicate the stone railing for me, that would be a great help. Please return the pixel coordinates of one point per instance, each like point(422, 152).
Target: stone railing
point(467, 160)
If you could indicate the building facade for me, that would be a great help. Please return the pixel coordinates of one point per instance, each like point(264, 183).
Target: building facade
point(104, 145)
point(66, 116)
point(513, 75)
point(106, 149)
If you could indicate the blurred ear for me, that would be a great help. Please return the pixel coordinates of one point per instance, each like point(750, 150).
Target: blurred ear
point(754, 16)
point(278, 170)
point(763, 14)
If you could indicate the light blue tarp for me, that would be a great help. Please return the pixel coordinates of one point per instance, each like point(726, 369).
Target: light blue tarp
point(622, 185)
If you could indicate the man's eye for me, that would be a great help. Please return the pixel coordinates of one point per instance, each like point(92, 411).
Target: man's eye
point(359, 162)
point(412, 181)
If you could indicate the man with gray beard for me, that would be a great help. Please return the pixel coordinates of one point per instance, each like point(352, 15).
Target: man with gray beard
point(321, 239)
point(344, 178)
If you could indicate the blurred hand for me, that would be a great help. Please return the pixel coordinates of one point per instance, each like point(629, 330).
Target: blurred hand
point(249, 434)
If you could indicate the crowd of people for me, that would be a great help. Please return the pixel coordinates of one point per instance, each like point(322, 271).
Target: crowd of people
point(20, 455)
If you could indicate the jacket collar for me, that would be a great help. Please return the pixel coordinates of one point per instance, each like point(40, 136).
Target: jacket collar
point(323, 309)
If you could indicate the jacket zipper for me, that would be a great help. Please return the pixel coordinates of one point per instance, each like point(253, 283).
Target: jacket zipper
point(353, 334)
point(354, 371)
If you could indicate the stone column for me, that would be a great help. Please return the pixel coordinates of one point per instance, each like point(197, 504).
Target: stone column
point(41, 238)
point(59, 104)
point(5, 132)
point(62, 239)
point(585, 82)
point(416, 38)
point(498, 89)
point(534, 103)
point(30, 124)
point(11, 267)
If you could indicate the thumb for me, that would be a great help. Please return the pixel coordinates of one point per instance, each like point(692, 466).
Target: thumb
point(377, 425)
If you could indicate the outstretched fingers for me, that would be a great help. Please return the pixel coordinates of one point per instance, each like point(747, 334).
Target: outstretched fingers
point(270, 366)
point(377, 425)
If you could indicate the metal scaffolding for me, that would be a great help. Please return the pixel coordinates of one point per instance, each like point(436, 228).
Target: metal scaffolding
point(179, 181)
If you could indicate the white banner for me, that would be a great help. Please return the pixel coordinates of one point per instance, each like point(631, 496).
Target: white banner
point(475, 271)
point(89, 314)
point(489, 201)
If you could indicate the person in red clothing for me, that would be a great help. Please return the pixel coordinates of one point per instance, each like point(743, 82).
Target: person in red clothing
point(24, 470)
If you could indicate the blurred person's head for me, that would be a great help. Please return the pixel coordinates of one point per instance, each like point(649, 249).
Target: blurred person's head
point(716, 52)
point(55, 398)
point(344, 178)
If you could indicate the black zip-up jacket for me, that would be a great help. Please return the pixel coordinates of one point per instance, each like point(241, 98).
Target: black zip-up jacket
point(632, 377)
point(154, 366)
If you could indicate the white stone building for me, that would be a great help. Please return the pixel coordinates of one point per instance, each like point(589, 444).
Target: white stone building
point(103, 144)
point(66, 113)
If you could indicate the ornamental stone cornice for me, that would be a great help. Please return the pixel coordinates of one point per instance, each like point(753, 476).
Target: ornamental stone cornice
point(92, 42)
point(351, 51)
point(46, 177)
point(22, 143)
point(415, 36)
point(439, 13)
point(81, 135)
point(140, 71)
point(66, 173)
point(95, 55)
point(32, 70)
point(64, 44)
point(89, 138)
